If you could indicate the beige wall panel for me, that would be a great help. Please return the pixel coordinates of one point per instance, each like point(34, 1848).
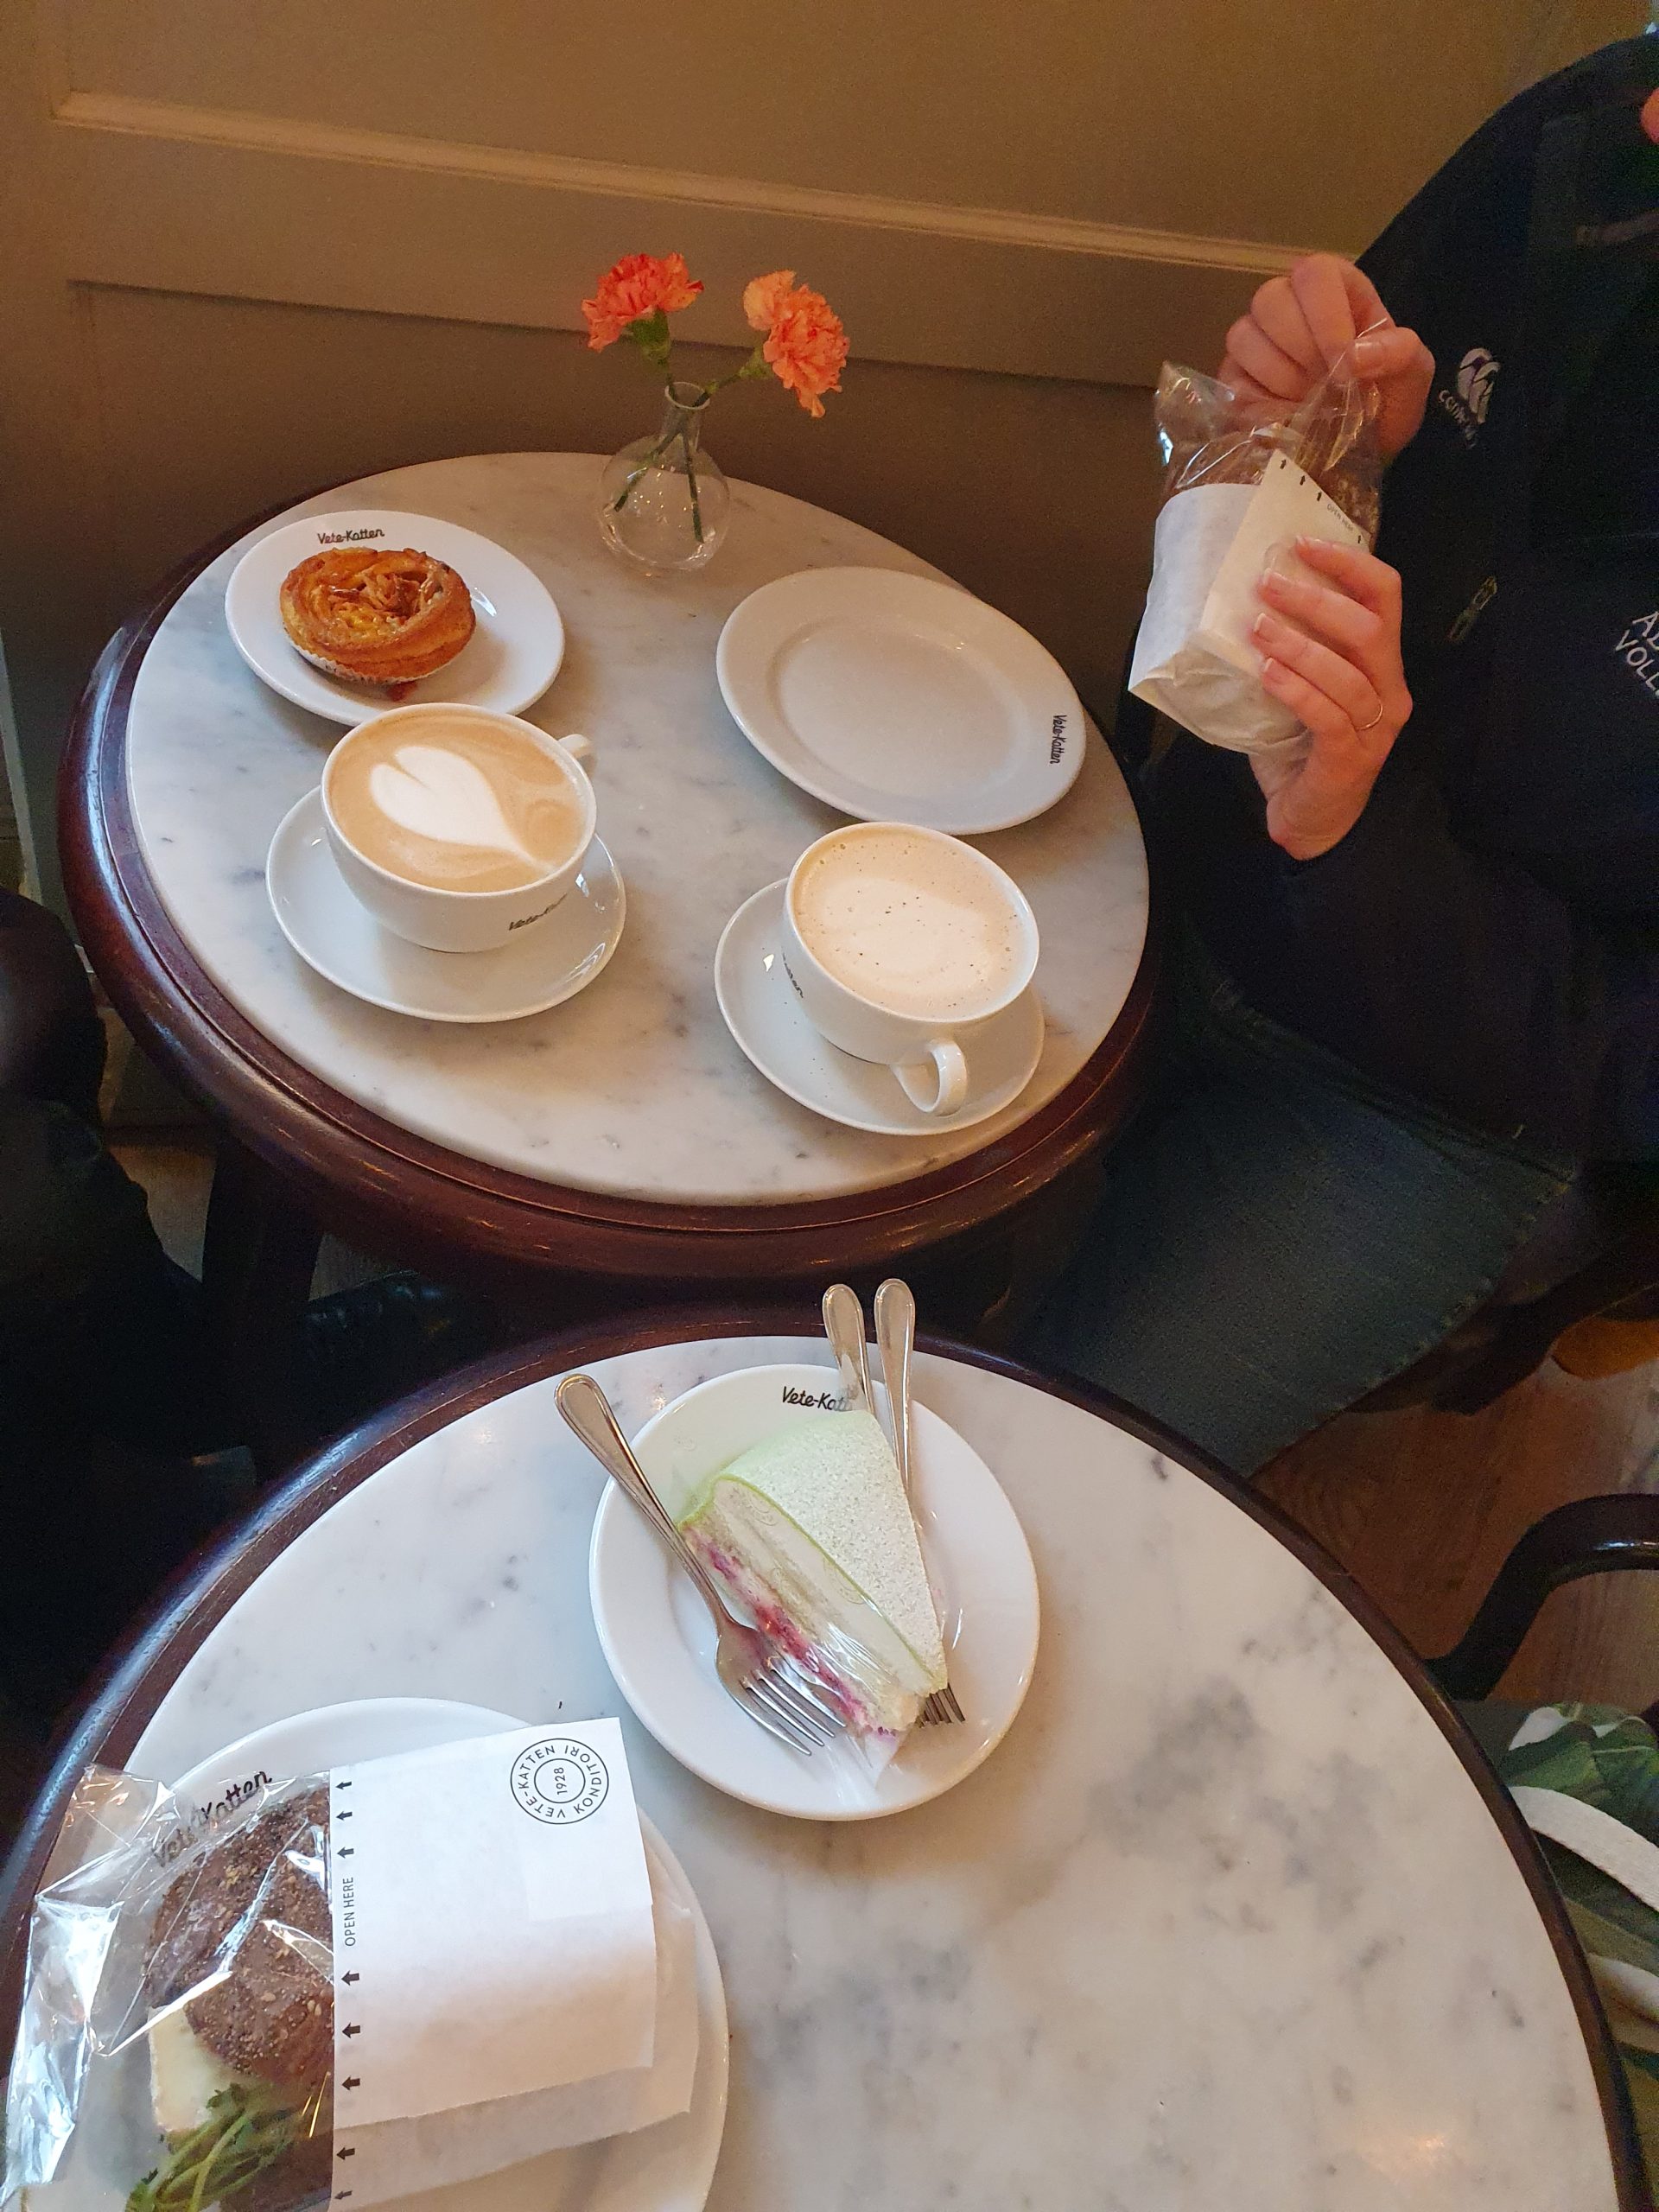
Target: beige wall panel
point(1282, 121)
point(393, 232)
point(1037, 495)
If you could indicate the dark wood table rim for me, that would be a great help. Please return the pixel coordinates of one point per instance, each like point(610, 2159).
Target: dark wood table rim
point(137, 1677)
point(357, 1171)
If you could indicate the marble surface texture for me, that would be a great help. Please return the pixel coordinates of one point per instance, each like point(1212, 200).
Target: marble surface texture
point(1223, 1922)
point(634, 1087)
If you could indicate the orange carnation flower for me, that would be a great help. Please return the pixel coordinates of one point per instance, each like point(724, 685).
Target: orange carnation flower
point(639, 285)
point(805, 345)
point(764, 298)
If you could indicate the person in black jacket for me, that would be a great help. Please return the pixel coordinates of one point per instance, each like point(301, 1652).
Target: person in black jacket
point(1420, 966)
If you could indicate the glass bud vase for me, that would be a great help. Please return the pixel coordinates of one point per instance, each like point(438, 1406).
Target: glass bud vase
point(663, 500)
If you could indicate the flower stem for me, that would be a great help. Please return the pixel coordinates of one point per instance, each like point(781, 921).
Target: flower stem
point(691, 480)
point(642, 469)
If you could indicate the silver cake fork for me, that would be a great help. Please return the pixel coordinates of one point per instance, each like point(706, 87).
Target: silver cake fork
point(895, 1328)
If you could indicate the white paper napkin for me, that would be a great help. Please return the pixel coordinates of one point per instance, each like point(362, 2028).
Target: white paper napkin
point(441, 2149)
point(492, 1922)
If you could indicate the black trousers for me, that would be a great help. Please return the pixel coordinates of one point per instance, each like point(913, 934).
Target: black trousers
point(99, 1335)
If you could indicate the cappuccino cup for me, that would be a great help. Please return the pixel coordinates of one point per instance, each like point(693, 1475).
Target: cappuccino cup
point(457, 827)
point(902, 946)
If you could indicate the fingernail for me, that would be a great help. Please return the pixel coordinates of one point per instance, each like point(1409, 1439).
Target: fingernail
point(1368, 355)
point(1262, 627)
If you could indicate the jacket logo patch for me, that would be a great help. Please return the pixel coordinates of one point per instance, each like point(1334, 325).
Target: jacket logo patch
point(1467, 405)
point(1639, 651)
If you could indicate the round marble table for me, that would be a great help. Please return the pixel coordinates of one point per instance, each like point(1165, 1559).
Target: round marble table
point(1236, 1917)
point(623, 1134)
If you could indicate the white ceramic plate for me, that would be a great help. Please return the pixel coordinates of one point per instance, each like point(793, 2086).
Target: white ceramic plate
point(668, 2168)
point(901, 698)
point(658, 1640)
point(771, 1030)
point(541, 967)
point(510, 659)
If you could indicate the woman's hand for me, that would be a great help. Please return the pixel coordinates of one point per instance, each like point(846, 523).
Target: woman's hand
point(1300, 326)
point(1334, 662)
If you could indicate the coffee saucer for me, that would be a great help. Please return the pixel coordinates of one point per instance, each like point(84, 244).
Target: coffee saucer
point(765, 1018)
point(548, 962)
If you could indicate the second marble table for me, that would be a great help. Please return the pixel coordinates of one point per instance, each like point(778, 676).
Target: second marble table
point(1237, 1918)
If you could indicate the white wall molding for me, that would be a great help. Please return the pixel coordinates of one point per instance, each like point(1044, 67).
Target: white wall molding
point(216, 202)
point(297, 136)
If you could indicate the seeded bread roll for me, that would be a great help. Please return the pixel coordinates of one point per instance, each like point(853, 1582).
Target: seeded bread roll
point(236, 1913)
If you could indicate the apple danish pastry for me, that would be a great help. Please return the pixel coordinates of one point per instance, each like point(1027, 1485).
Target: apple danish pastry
point(373, 616)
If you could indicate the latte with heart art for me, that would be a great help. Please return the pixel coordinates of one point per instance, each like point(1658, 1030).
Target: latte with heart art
point(457, 802)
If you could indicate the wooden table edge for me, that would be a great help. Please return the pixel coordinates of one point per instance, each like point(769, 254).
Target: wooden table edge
point(143, 1668)
point(360, 1170)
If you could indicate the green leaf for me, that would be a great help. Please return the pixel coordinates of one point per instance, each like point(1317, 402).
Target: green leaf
point(244, 2133)
point(1644, 2099)
point(1607, 1758)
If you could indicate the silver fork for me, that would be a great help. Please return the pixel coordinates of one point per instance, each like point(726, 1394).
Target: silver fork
point(896, 1336)
point(768, 1685)
point(843, 1323)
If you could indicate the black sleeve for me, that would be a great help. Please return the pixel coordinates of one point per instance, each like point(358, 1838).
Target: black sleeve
point(1475, 987)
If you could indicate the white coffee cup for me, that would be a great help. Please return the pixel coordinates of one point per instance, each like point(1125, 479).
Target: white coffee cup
point(449, 920)
point(953, 913)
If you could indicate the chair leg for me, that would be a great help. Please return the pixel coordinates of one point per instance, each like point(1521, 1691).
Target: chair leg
point(258, 1257)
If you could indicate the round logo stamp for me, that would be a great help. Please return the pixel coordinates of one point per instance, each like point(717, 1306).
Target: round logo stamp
point(559, 1780)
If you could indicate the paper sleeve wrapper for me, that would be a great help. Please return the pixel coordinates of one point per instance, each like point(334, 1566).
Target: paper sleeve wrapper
point(1194, 658)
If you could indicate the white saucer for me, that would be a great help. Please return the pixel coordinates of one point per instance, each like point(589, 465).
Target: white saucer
point(509, 660)
point(765, 1018)
point(543, 966)
point(658, 1640)
point(901, 698)
point(668, 2168)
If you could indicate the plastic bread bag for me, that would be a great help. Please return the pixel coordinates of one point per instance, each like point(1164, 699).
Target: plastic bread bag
point(175, 2047)
point(1243, 481)
point(187, 2042)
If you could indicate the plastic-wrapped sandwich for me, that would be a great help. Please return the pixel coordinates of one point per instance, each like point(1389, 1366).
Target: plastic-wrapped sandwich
point(1243, 481)
point(311, 1989)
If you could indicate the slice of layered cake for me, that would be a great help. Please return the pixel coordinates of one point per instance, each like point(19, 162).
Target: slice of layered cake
point(812, 1531)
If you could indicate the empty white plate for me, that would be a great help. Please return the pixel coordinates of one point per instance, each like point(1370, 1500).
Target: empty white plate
point(901, 698)
point(510, 659)
point(766, 1019)
point(667, 2168)
point(541, 967)
point(658, 1640)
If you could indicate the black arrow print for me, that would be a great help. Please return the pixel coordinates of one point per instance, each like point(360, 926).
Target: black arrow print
point(342, 2196)
point(349, 2151)
point(346, 1852)
point(352, 2081)
point(351, 2028)
point(342, 1785)
point(350, 1977)
point(345, 1816)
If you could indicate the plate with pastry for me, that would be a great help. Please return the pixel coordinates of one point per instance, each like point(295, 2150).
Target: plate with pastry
point(347, 614)
point(796, 1507)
